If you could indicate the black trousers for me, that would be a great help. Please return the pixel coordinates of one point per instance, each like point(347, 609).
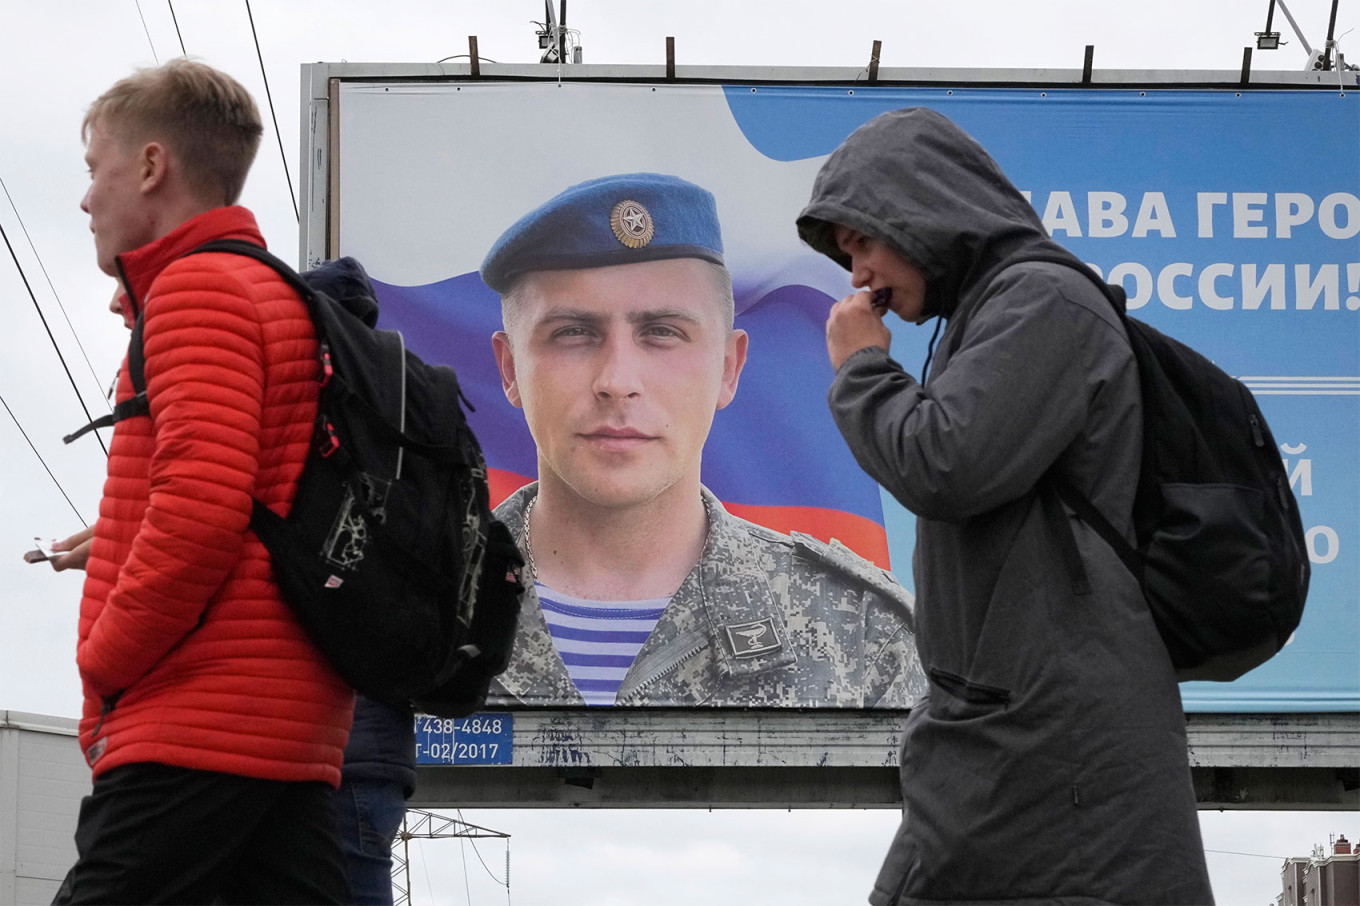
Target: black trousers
point(151, 833)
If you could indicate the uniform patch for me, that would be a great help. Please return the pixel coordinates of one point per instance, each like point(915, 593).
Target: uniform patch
point(751, 639)
point(632, 224)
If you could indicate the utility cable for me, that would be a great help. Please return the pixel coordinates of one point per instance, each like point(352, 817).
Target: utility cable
point(43, 318)
point(44, 462)
point(148, 33)
point(1229, 852)
point(269, 97)
point(477, 852)
point(467, 886)
point(175, 19)
point(48, 278)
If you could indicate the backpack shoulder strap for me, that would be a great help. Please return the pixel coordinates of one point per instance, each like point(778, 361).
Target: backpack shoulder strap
point(264, 256)
point(138, 403)
point(1086, 511)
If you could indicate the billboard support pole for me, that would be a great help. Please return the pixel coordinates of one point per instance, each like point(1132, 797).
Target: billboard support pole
point(873, 61)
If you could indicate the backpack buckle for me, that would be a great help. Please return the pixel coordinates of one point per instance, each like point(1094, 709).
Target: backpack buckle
point(331, 442)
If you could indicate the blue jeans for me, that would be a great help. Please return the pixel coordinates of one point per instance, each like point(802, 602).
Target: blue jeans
point(369, 813)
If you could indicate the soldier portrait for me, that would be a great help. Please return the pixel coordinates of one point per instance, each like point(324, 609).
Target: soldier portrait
point(618, 345)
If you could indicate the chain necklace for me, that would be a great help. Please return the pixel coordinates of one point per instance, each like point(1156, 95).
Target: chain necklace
point(529, 541)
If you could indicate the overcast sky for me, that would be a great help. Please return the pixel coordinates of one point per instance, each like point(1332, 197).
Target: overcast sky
point(56, 56)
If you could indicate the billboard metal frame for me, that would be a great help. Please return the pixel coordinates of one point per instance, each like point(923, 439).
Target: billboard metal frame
point(623, 758)
point(696, 758)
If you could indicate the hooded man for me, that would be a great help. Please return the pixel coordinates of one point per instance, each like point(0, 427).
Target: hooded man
point(1048, 760)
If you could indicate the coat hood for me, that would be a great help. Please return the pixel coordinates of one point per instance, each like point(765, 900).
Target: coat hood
point(915, 180)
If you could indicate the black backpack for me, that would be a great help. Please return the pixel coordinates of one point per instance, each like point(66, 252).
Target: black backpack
point(1220, 553)
point(390, 556)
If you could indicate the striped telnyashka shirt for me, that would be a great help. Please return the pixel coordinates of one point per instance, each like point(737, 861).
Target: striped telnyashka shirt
point(598, 640)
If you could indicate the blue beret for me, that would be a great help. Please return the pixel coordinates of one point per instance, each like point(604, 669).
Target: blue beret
point(619, 219)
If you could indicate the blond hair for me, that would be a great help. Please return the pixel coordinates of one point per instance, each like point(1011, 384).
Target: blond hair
point(205, 117)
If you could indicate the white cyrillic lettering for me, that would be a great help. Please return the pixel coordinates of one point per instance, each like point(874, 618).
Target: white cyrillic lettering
point(1291, 209)
point(1248, 211)
point(1327, 215)
point(1301, 479)
point(1105, 215)
point(1327, 285)
point(1324, 533)
point(1166, 286)
point(1209, 292)
point(1154, 214)
point(1061, 214)
point(1141, 293)
point(1205, 202)
point(1271, 284)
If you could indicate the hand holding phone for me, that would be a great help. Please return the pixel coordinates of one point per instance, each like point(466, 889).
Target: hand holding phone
point(68, 553)
point(41, 552)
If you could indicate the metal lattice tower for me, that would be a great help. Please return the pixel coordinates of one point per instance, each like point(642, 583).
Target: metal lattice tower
point(420, 824)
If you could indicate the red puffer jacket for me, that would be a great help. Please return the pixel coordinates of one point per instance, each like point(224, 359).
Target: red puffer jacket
point(188, 655)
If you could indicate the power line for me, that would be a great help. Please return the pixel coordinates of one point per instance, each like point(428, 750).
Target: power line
point(269, 97)
point(485, 867)
point(148, 33)
point(175, 19)
point(1229, 852)
point(43, 461)
point(43, 318)
point(48, 278)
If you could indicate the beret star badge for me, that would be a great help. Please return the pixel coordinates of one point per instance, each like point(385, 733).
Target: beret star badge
point(632, 224)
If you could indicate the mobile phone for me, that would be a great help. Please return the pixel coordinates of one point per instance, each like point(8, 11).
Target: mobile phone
point(41, 552)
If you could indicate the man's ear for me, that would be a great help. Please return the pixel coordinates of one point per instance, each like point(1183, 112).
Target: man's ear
point(154, 161)
point(505, 362)
point(734, 360)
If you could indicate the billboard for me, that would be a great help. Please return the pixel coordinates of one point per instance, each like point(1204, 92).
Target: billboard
point(1232, 219)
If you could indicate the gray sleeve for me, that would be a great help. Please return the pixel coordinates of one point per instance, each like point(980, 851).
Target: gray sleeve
point(999, 412)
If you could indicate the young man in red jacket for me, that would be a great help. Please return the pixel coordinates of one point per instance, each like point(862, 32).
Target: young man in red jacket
point(213, 726)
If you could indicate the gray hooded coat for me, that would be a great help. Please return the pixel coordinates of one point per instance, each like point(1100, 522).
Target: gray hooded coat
point(1048, 761)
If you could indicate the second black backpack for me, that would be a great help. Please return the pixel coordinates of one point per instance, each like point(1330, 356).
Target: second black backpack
point(390, 556)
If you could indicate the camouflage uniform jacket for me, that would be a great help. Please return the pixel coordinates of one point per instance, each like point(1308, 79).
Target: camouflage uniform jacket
point(764, 619)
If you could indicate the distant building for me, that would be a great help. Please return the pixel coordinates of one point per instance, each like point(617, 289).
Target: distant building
point(1322, 879)
point(43, 776)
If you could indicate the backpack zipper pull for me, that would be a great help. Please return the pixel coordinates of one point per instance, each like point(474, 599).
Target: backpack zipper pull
point(1256, 434)
point(327, 368)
